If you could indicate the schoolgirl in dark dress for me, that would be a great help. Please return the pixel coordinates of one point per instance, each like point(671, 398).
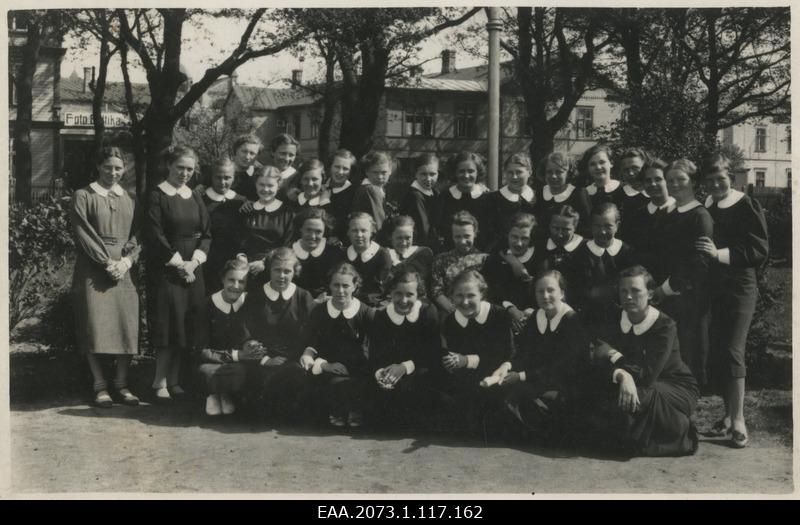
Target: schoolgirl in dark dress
point(317, 257)
point(595, 165)
point(562, 247)
point(404, 254)
point(420, 201)
point(634, 198)
point(559, 173)
point(245, 152)
point(467, 194)
point(341, 194)
point(514, 197)
point(645, 226)
point(370, 259)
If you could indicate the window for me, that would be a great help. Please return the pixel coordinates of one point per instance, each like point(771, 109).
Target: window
point(727, 136)
point(761, 140)
point(314, 129)
point(761, 178)
point(466, 123)
point(296, 124)
point(418, 120)
point(18, 22)
point(584, 122)
point(788, 139)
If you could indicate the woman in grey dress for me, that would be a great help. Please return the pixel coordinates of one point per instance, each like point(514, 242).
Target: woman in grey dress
point(104, 222)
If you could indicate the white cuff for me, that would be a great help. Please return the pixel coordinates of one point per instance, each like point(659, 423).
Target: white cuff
point(306, 361)
point(724, 256)
point(235, 354)
point(264, 360)
point(199, 256)
point(473, 360)
point(176, 260)
point(528, 311)
point(502, 370)
point(667, 289)
point(523, 376)
point(127, 262)
point(614, 356)
point(616, 377)
point(409, 366)
point(317, 368)
point(490, 381)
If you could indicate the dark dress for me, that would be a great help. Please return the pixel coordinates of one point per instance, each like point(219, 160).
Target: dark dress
point(340, 337)
point(647, 232)
point(178, 228)
point(452, 201)
point(501, 206)
point(341, 206)
point(577, 198)
point(223, 211)
point(219, 331)
point(396, 339)
point(632, 201)
point(316, 266)
point(244, 182)
point(371, 200)
point(565, 260)
point(323, 201)
point(105, 225)
point(686, 283)
point(276, 320)
point(612, 192)
point(597, 284)
point(740, 233)
point(263, 230)
point(552, 355)
point(418, 259)
point(507, 289)
point(421, 206)
point(666, 388)
point(373, 266)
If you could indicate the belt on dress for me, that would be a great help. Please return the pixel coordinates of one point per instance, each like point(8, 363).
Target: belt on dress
point(110, 241)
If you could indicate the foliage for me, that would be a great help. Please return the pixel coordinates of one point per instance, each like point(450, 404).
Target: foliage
point(779, 225)
point(39, 244)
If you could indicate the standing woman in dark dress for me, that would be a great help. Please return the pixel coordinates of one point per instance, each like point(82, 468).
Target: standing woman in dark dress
point(739, 246)
point(559, 172)
point(646, 389)
point(178, 240)
point(105, 302)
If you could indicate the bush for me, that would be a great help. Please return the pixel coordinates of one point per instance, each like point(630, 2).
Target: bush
point(778, 213)
point(39, 245)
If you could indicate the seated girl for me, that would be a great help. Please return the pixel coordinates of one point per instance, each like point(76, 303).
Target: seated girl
point(405, 255)
point(335, 349)
point(420, 201)
point(404, 348)
point(370, 259)
point(562, 248)
point(552, 352)
point(467, 194)
point(222, 346)
point(275, 316)
point(647, 389)
point(316, 255)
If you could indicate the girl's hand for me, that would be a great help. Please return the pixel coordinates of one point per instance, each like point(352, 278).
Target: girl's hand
point(276, 361)
point(292, 194)
point(115, 270)
point(599, 351)
point(336, 369)
point(306, 361)
point(551, 395)
point(628, 396)
point(393, 373)
point(453, 361)
point(517, 319)
point(247, 207)
point(510, 378)
point(707, 246)
point(256, 267)
point(252, 350)
point(321, 298)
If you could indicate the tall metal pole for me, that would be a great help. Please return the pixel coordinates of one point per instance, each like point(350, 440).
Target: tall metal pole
point(494, 26)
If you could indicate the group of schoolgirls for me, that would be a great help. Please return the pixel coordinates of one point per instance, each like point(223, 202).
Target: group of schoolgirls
point(570, 308)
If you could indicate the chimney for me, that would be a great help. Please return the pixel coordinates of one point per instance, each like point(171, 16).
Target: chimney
point(88, 79)
point(297, 78)
point(448, 61)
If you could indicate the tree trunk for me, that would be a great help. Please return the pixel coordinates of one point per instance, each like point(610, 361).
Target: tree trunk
point(157, 137)
point(99, 90)
point(23, 161)
point(328, 110)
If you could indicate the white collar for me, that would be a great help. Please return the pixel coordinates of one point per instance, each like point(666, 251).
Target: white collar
point(348, 312)
point(638, 329)
point(483, 314)
point(688, 206)
point(321, 199)
point(272, 294)
point(476, 191)
point(527, 194)
point(610, 186)
point(396, 257)
point(288, 172)
point(171, 190)
point(541, 318)
point(669, 206)
point(630, 191)
point(270, 207)
point(366, 255)
point(216, 197)
point(548, 195)
point(343, 187)
point(570, 246)
point(732, 198)
point(251, 169)
point(116, 188)
point(397, 318)
point(525, 256)
point(613, 249)
point(302, 254)
point(224, 306)
point(417, 186)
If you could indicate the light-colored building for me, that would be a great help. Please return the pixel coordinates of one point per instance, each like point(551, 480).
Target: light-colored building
point(767, 148)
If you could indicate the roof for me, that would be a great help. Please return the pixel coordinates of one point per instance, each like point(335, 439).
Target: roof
point(72, 91)
point(480, 73)
point(266, 99)
point(443, 84)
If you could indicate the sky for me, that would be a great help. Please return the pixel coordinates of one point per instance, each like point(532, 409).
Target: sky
point(206, 47)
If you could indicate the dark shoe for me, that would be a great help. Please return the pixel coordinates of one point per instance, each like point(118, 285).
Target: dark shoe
point(177, 393)
point(103, 400)
point(739, 440)
point(719, 429)
point(127, 398)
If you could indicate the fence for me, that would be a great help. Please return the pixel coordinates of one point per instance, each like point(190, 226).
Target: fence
point(39, 192)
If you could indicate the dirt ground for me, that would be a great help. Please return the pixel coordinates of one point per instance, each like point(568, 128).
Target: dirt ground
point(68, 446)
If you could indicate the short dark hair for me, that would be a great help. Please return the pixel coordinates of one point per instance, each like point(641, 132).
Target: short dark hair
point(406, 276)
point(636, 271)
